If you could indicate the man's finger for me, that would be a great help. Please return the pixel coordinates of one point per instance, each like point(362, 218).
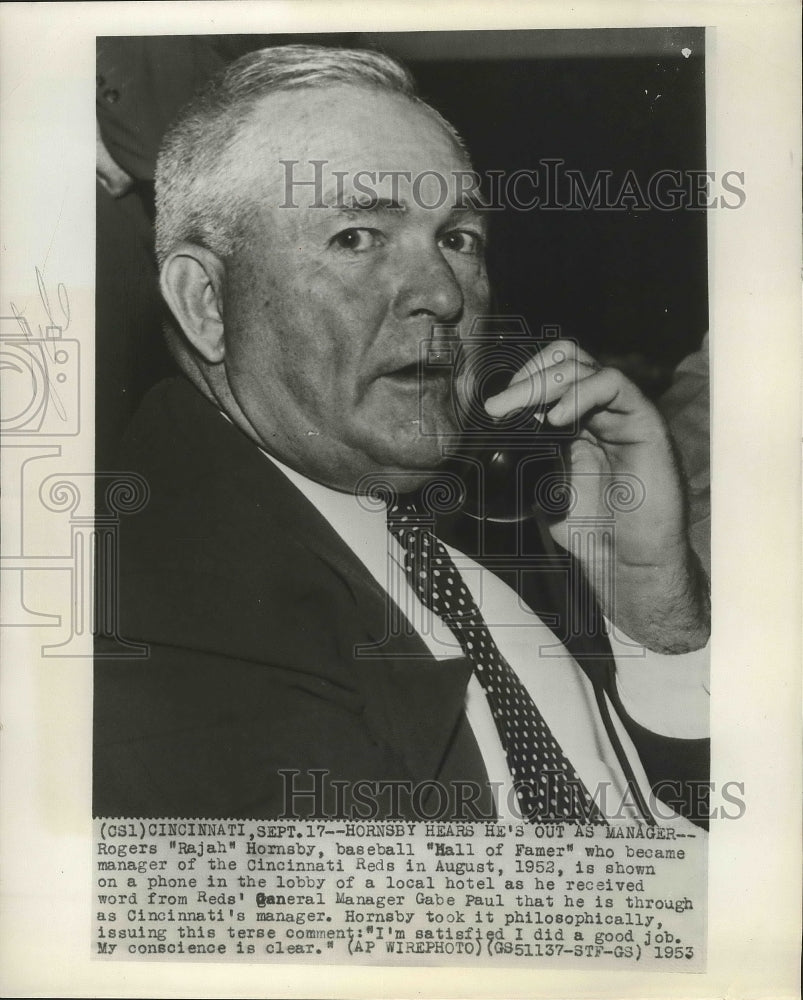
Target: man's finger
point(555, 353)
point(606, 389)
point(540, 389)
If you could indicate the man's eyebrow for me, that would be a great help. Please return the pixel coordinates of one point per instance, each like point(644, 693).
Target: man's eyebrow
point(354, 205)
point(468, 213)
point(461, 210)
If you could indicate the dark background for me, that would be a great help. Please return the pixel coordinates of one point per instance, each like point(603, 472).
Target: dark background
point(619, 281)
point(630, 285)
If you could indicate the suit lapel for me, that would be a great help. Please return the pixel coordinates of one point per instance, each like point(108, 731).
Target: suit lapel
point(412, 700)
point(273, 583)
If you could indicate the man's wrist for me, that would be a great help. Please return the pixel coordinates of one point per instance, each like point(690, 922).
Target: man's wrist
point(665, 608)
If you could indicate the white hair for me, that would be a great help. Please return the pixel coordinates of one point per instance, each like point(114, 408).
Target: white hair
point(197, 198)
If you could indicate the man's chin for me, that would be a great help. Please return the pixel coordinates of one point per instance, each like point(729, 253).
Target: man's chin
point(419, 459)
point(408, 458)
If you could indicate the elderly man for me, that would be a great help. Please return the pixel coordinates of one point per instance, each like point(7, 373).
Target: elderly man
point(313, 232)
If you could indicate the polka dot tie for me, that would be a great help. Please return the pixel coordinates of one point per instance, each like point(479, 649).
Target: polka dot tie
point(546, 784)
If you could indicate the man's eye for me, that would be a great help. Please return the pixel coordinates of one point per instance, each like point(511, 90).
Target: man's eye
point(462, 241)
point(357, 239)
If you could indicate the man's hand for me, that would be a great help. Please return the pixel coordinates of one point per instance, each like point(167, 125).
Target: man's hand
point(627, 526)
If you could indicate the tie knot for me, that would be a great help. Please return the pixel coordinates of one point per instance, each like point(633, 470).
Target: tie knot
point(402, 509)
point(406, 513)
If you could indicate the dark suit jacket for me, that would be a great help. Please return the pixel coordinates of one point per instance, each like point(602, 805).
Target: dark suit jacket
point(252, 608)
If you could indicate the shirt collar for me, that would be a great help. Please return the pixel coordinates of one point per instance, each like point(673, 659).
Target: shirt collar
point(358, 519)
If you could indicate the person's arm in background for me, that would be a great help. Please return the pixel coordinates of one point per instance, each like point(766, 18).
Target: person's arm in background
point(141, 85)
point(686, 408)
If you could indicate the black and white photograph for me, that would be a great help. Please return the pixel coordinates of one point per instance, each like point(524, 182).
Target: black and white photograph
point(328, 350)
point(374, 551)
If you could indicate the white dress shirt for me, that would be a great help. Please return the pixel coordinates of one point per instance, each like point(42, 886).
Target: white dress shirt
point(666, 694)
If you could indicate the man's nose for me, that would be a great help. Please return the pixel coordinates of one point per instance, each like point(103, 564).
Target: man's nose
point(427, 287)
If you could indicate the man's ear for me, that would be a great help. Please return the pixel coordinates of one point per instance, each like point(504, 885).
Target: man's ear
point(192, 281)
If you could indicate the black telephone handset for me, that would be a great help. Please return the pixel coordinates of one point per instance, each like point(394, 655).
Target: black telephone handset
point(512, 469)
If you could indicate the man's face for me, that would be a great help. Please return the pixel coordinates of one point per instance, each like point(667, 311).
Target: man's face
point(325, 308)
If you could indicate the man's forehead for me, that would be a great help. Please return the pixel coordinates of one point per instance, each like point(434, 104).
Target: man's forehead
point(347, 129)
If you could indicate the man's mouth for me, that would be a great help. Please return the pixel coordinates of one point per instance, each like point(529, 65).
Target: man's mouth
point(417, 375)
